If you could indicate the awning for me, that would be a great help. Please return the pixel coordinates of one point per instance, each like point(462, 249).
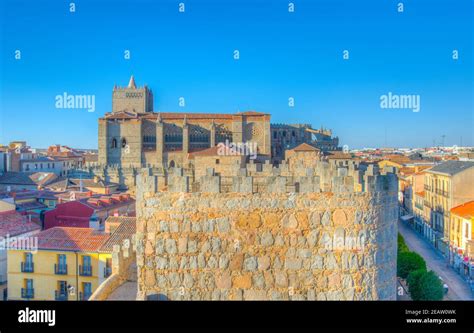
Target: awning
point(406, 217)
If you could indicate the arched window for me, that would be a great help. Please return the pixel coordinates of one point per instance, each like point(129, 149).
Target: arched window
point(114, 143)
point(172, 164)
point(124, 143)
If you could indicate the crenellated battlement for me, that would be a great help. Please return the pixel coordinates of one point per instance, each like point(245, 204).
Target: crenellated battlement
point(265, 178)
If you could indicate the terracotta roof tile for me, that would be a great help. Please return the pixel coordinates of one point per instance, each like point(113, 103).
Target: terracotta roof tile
point(305, 147)
point(13, 223)
point(465, 210)
point(125, 230)
point(71, 239)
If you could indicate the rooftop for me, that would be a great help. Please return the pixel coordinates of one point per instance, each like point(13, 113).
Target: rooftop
point(215, 151)
point(27, 178)
point(451, 167)
point(305, 147)
point(465, 210)
point(124, 231)
point(13, 223)
point(71, 239)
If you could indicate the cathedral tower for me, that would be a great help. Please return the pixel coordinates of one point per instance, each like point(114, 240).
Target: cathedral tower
point(132, 98)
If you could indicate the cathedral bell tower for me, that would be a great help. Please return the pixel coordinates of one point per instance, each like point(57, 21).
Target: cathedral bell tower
point(132, 98)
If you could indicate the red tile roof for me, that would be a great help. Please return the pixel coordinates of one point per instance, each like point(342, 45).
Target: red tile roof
point(465, 210)
point(13, 223)
point(305, 147)
point(336, 155)
point(71, 239)
point(252, 113)
point(125, 230)
point(215, 151)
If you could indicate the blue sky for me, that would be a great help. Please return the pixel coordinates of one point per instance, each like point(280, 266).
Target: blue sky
point(282, 55)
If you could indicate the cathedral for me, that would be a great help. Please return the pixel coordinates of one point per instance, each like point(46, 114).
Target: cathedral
point(133, 135)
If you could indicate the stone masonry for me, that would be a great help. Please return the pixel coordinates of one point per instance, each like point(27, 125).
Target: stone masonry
point(327, 233)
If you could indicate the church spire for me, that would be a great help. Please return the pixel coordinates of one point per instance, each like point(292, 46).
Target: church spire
point(131, 83)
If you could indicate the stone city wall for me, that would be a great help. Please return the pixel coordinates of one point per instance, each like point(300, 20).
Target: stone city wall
point(275, 245)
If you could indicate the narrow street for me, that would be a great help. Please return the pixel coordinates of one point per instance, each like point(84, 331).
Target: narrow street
point(458, 287)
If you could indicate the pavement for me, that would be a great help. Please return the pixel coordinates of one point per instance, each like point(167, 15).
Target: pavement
point(458, 287)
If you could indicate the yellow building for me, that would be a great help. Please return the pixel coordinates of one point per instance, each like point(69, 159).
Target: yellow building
point(67, 265)
point(447, 185)
point(461, 225)
point(461, 236)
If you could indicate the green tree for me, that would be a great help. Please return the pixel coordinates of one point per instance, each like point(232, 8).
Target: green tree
point(408, 262)
point(413, 281)
point(425, 286)
point(402, 246)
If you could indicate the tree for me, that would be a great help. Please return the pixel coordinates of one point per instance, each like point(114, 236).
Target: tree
point(408, 262)
point(425, 286)
point(402, 246)
point(413, 281)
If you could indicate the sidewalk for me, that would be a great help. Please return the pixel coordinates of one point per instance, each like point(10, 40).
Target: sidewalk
point(458, 287)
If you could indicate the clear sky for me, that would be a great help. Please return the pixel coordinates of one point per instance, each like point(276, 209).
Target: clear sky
point(282, 55)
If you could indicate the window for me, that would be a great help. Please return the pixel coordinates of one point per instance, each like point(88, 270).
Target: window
point(217, 161)
point(61, 294)
point(86, 291)
point(86, 260)
point(124, 143)
point(28, 257)
point(114, 143)
point(27, 291)
point(29, 283)
point(86, 268)
point(61, 266)
point(27, 265)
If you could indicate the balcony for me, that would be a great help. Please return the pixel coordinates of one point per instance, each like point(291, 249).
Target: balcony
point(27, 293)
point(84, 296)
point(107, 271)
point(85, 270)
point(27, 267)
point(60, 269)
point(60, 295)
